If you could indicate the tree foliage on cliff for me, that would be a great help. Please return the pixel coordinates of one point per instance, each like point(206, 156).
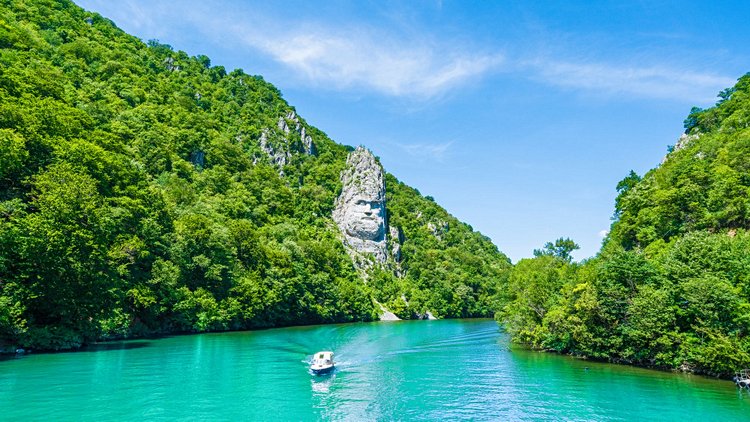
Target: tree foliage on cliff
point(135, 197)
point(671, 285)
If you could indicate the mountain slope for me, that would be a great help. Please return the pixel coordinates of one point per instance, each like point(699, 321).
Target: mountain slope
point(145, 191)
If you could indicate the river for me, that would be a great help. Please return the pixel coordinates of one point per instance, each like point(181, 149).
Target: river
point(412, 370)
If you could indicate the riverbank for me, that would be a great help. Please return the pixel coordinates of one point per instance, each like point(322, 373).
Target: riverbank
point(682, 369)
point(10, 350)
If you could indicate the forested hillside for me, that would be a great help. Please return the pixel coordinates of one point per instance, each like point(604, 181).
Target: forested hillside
point(145, 191)
point(671, 285)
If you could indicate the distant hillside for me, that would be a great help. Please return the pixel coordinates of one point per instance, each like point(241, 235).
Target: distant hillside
point(671, 285)
point(146, 191)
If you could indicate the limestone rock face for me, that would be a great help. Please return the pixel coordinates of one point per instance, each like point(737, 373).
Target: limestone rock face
point(307, 143)
point(386, 315)
point(308, 147)
point(279, 143)
point(681, 143)
point(282, 125)
point(684, 141)
point(438, 229)
point(360, 209)
point(276, 151)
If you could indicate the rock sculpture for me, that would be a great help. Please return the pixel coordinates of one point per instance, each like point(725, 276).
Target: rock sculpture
point(360, 209)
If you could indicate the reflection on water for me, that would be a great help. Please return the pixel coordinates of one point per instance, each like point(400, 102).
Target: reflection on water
point(321, 384)
point(420, 370)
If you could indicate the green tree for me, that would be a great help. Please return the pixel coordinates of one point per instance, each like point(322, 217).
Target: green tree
point(561, 249)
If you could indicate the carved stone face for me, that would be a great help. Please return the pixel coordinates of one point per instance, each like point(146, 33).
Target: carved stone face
point(364, 218)
point(360, 209)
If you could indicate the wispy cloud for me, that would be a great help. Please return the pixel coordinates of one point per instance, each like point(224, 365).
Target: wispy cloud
point(645, 81)
point(434, 151)
point(603, 233)
point(369, 59)
point(425, 68)
point(388, 60)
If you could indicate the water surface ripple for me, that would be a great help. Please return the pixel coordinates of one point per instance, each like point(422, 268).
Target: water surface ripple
point(419, 370)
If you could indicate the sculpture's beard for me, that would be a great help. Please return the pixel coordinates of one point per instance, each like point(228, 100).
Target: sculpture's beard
point(363, 226)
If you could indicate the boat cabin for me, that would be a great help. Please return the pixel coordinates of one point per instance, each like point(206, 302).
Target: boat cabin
point(323, 358)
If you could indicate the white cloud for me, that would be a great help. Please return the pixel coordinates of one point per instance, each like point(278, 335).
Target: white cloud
point(649, 81)
point(603, 233)
point(373, 60)
point(389, 60)
point(419, 67)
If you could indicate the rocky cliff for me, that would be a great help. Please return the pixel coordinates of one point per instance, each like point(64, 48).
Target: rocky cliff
point(359, 211)
point(683, 142)
point(279, 144)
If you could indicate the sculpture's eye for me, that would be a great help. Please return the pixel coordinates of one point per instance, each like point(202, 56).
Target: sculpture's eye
point(361, 202)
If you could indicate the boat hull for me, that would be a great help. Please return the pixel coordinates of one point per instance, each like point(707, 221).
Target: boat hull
point(323, 370)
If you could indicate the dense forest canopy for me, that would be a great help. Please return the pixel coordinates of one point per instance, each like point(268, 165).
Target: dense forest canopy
point(146, 191)
point(671, 285)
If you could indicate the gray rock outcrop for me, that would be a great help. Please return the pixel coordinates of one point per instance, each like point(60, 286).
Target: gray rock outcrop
point(276, 151)
point(385, 314)
point(278, 143)
point(682, 143)
point(308, 147)
point(307, 143)
point(359, 211)
point(437, 229)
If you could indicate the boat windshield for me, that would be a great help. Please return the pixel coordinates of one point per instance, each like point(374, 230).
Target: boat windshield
point(322, 359)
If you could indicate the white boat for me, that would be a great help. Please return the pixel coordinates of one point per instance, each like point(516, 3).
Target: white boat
point(322, 363)
point(742, 378)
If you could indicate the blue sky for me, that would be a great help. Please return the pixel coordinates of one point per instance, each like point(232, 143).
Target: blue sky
point(518, 117)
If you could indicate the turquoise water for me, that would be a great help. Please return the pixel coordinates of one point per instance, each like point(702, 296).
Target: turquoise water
point(417, 370)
